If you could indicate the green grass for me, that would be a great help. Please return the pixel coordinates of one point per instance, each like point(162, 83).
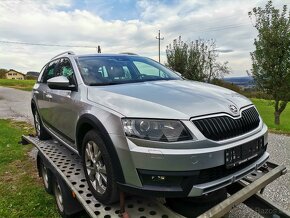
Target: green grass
point(266, 110)
point(25, 85)
point(21, 190)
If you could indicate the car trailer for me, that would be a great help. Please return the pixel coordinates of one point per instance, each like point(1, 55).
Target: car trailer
point(63, 176)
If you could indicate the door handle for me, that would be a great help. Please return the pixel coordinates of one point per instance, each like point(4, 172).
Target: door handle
point(48, 96)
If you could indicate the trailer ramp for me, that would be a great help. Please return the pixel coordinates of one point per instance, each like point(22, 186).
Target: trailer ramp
point(69, 167)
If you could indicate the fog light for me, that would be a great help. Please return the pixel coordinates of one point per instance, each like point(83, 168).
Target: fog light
point(153, 179)
point(158, 178)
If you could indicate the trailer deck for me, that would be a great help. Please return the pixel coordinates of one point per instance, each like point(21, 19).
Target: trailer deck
point(69, 167)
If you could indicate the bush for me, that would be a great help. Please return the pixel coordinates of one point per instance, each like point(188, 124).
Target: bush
point(2, 73)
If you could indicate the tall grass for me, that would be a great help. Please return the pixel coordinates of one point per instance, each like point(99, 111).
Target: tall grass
point(25, 85)
point(266, 110)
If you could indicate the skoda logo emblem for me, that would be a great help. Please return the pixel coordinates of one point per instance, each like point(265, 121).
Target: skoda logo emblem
point(233, 109)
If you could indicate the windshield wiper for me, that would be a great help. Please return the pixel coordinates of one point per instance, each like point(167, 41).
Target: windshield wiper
point(103, 84)
point(130, 81)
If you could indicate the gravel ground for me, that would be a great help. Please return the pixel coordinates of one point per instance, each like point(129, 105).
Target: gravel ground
point(15, 104)
point(279, 190)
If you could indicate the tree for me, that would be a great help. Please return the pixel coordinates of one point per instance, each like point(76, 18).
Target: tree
point(271, 59)
point(177, 55)
point(2, 73)
point(196, 60)
point(29, 77)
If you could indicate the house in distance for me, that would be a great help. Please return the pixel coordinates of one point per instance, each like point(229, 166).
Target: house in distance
point(13, 74)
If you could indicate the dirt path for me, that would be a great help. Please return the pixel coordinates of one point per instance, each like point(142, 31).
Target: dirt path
point(15, 104)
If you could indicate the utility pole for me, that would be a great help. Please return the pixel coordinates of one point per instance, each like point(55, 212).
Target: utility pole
point(159, 38)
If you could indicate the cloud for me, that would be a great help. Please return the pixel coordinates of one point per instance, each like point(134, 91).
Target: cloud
point(67, 22)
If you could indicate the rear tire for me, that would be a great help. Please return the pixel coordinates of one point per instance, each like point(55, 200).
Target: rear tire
point(98, 168)
point(41, 132)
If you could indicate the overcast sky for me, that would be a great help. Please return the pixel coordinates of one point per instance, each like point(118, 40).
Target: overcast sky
point(123, 26)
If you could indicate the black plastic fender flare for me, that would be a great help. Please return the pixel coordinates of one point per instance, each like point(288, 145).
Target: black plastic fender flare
point(97, 125)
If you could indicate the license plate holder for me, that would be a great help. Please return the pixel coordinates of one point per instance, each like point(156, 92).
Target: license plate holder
point(242, 153)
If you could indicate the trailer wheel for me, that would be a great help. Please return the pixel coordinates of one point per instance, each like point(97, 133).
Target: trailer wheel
point(98, 168)
point(67, 205)
point(41, 132)
point(47, 179)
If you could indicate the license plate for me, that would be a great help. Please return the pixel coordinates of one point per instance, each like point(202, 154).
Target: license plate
point(242, 153)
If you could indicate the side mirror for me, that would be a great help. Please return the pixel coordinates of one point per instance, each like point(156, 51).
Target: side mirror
point(60, 83)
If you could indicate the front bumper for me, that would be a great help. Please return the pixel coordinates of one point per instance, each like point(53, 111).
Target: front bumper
point(208, 158)
point(186, 189)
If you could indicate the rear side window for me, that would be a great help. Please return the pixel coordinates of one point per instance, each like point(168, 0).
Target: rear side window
point(41, 74)
point(65, 69)
point(49, 71)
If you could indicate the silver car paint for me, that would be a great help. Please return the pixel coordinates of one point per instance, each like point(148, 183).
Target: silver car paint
point(184, 99)
point(178, 99)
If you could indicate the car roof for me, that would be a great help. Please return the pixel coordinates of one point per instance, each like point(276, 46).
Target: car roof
point(72, 54)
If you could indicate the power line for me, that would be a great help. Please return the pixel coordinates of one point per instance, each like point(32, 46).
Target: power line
point(210, 21)
point(219, 28)
point(213, 29)
point(48, 45)
point(159, 38)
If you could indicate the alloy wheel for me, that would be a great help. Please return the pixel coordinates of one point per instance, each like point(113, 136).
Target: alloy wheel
point(95, 167)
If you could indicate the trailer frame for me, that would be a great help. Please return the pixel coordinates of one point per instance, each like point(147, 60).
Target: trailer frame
point(66, 166)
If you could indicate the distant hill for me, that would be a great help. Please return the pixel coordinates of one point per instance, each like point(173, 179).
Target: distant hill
point(32, 74)
point(243, 81)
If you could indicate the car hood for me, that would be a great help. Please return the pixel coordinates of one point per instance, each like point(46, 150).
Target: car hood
point(173, 99)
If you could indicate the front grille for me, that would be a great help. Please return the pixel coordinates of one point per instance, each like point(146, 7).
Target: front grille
point(224, 127)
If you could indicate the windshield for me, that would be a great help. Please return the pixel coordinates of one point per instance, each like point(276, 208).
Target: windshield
point(108, 70)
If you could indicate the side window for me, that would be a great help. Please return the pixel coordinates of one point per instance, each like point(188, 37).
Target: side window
point(49, 71)
point(39, 79)
point(65, 69)
point(148, 70)
point(103, 71)
point(127, 72)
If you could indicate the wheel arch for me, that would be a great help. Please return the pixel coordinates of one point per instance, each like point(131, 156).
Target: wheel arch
point(33, 105)
point(88, 122)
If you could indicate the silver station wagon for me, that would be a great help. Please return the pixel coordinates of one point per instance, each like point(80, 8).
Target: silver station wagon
point(140, 127)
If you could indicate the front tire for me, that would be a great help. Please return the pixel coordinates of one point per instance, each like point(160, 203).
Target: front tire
point(98, 168)
point(41, 132)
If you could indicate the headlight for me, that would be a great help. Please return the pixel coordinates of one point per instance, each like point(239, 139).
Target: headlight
point(156, 130)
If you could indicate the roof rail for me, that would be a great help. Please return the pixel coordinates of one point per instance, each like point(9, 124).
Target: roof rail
point(66, 52)
point(128, 53)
